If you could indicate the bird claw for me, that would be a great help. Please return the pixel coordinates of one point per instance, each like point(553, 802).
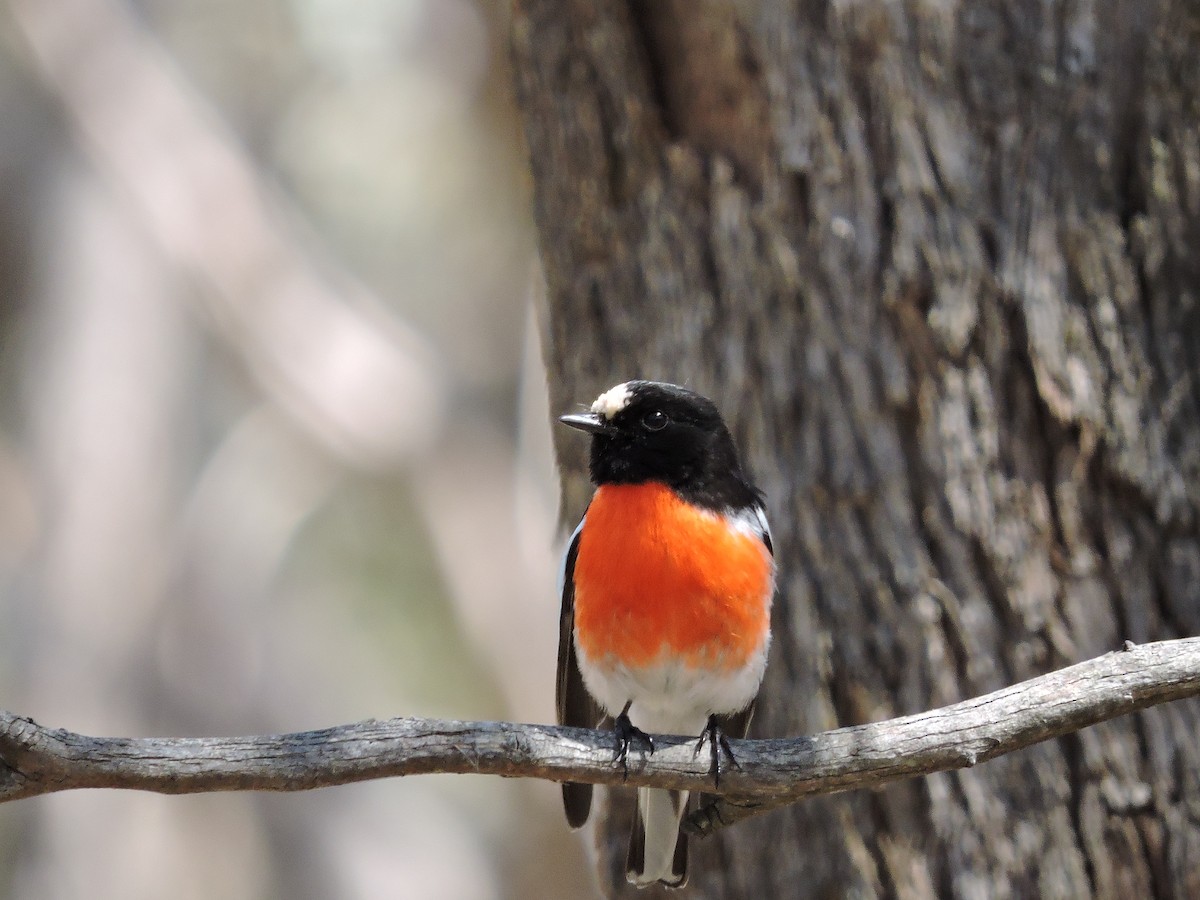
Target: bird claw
point(626, 733)
point(717, 742)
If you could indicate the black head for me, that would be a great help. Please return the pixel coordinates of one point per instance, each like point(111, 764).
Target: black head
point(651, 431)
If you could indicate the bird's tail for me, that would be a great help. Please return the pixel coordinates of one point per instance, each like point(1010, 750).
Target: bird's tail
point(657, 850)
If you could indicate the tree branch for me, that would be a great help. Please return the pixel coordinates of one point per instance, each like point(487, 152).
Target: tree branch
point(771, 773)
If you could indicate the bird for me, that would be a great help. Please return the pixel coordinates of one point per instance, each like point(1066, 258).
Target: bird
point(666, 588)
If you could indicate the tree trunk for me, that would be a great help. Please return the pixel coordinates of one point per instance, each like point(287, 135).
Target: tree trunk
point(936, 263)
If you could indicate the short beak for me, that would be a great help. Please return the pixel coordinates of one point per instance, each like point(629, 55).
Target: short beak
point(590, 422)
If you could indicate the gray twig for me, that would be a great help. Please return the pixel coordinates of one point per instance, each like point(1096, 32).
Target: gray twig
point(772, 773)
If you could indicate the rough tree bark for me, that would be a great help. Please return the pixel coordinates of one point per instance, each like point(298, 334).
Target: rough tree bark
point(935, 262)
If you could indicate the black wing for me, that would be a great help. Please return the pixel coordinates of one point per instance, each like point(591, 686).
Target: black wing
point(574, 704)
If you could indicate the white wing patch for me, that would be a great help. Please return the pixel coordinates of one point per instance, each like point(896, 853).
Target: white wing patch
point(612, 401)
point(752, 521)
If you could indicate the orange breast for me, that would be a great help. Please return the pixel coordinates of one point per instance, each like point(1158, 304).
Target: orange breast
point(654, 573)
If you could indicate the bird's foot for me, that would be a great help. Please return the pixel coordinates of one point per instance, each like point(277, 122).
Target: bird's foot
point(717, 742)
point(626, 733)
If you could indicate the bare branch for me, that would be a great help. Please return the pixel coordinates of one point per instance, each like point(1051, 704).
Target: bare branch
point(36, 760)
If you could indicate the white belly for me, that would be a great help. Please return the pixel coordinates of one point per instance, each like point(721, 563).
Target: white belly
point(669, 697)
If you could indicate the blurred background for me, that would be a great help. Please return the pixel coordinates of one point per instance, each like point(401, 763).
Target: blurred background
point(274, 442)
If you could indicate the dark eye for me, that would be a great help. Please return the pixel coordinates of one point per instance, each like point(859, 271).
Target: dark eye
point(654, 421)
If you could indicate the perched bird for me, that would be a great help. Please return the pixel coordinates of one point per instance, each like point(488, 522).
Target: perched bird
point(666, 597)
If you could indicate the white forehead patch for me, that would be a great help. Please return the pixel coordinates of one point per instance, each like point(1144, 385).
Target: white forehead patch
point(612, 401)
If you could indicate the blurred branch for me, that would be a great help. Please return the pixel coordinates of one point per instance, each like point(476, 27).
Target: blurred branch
point(771, 773)
point(354, 376)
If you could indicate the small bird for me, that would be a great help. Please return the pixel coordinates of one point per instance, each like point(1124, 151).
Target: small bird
point(666, 598)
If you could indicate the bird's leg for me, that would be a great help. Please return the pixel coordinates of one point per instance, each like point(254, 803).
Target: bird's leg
point(626, 732)
point(716, 742)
